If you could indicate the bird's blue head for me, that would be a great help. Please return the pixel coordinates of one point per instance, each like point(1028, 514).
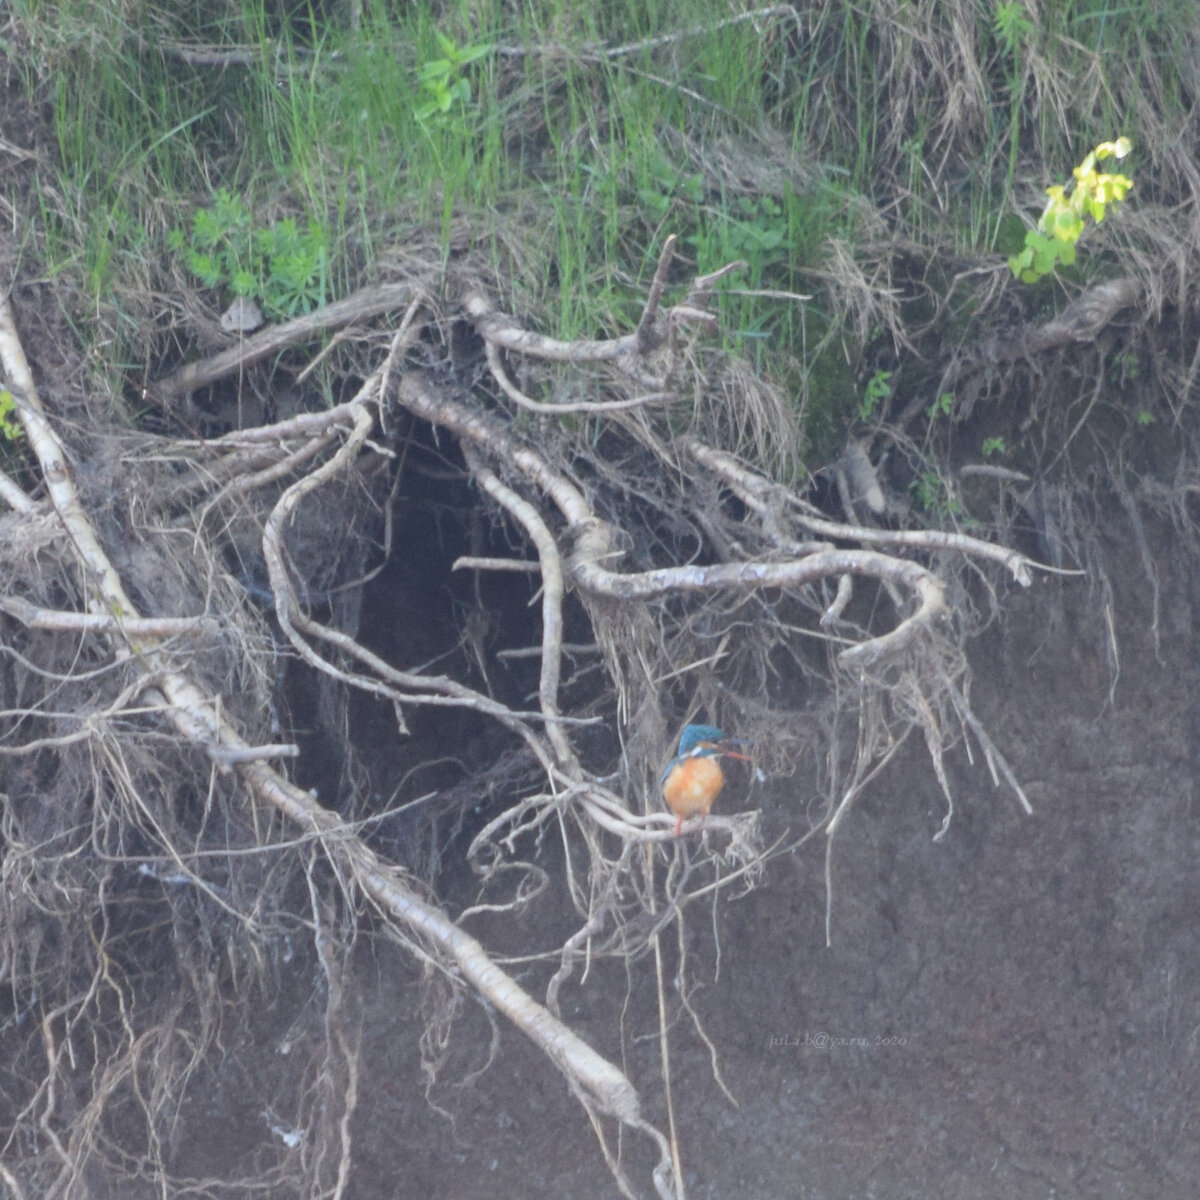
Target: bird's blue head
point(693, 735)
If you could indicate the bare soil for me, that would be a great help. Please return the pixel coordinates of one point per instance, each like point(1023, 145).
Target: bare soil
point(1008, 1012)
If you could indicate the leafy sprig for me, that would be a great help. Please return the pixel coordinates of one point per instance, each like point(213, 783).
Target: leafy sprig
point(282, 266)
point(447, 89)
point(1064, 220)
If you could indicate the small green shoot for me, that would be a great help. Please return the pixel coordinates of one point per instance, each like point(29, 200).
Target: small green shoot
point(993, 446)
point(10, 427)
point(663, 184)
point(1013, 26)
point(933, 497)
point(759, 226)
point(942, 406)
point(1062, 223)
point(1129, 364)
point(753, 229)
point(1144, 418)
point(447, 89)
point(878, 390)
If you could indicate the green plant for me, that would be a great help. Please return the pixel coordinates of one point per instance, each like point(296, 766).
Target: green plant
point(752, 228)
point(662, 184)
point(878, 389)
point(446, 87)
point(1129, 365)
point(283, 267)
point(934, 497)
point(10, 427)
point(1062, 222)
point(1012, 25)
point(11, 431)
point(943, 406)
point(758, 226)
point(994, 445)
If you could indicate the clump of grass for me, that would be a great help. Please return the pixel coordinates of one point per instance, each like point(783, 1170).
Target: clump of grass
point(586, 134)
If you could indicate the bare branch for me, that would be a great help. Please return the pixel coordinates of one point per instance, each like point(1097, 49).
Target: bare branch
point(34, 617)
point(207, 55)
point(15, 496)
point(926, 539)
point(368, 302)
point(638, 354)
point(467, 563)
point(643, 333)
point(557, 409)
point(552, 597)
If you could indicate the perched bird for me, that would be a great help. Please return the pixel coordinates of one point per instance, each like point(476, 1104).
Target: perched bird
point(693, 779)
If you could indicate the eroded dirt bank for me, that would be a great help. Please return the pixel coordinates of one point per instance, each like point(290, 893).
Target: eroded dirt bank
point(1011, 1011)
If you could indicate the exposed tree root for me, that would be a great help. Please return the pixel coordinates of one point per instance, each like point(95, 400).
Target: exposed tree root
point(369, 302)
point(686, 620)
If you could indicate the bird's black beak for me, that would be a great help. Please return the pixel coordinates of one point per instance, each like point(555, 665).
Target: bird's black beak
point(726, 748)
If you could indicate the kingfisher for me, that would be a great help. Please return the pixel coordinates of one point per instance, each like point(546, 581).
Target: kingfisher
point(693, 779)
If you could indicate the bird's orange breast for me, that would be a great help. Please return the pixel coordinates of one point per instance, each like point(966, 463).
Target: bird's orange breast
point(692, 785)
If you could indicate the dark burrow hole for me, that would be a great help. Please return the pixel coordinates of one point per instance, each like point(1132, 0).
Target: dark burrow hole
point(421, 615)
